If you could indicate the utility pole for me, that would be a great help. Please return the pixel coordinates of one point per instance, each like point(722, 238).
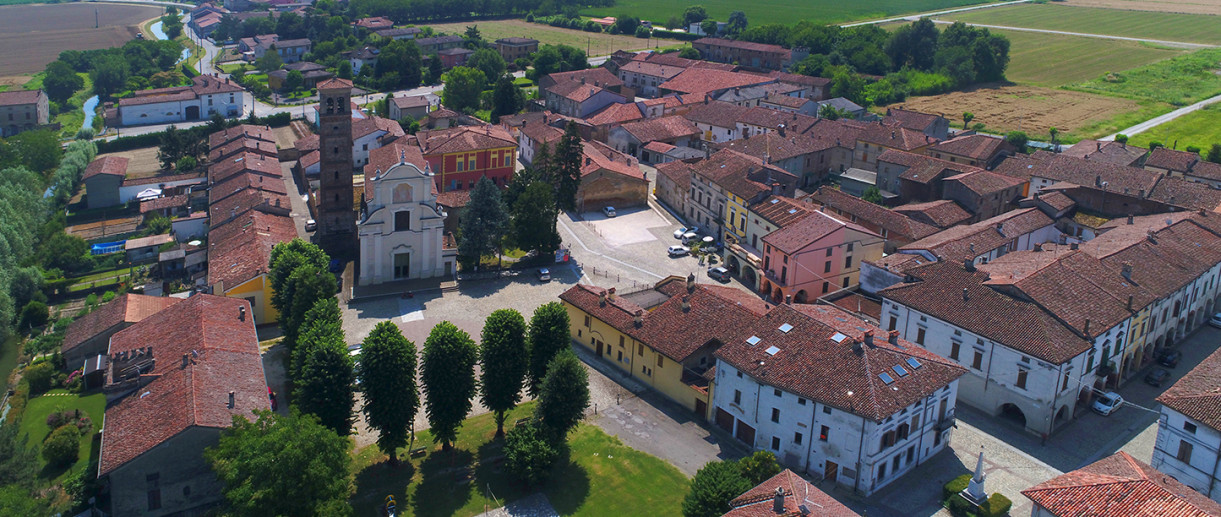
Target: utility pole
point(96, 22)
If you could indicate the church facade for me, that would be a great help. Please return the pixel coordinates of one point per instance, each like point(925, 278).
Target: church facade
point(401, 228)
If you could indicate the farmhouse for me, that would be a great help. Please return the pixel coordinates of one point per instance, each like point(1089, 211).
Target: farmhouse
point(22, 110)
point(512, 49)
point(754, 55)
point(206, 96)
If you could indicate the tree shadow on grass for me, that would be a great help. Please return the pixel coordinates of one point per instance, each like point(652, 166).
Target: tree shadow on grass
point(569, 484)
point(381, 479)
point(446, 483)
point(492, 479)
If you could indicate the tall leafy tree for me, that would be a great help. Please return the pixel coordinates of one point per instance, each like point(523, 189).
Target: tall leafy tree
point(714, 486)
point(564, 395)
point(462, 89)
point(109, 75)
point(569, 152)
point(489, 62)
point(387, 373)
point(534, 219)
point(270, 60)
point(483, 222)
point(1214, 153)
point(736, 24)
point(285, 258)
point(325, 376)
point(507, 98)
point(758, 467)
point(529, 454)
point(504, 359)
point(548, 336)
point(434, 69)
point(322, 323)
point(306, 285)
point(401, 58)
point(18, 461)
point(694, 14)
point(449, 380)
point(282, 465)
point(61, 81)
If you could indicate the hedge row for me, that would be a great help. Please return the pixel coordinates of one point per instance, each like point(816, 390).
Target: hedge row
point(683, 36)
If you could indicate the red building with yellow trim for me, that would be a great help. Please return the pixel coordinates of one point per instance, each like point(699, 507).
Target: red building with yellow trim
point(459, 156)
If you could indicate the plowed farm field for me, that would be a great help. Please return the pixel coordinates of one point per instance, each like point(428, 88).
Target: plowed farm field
point(34, 34)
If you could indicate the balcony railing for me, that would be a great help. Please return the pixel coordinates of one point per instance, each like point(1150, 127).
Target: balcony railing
point(946, 421)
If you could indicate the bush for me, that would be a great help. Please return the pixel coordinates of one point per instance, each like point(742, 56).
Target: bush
point(955, 486)
point(997, 506)
point(682, 36)
point(63, 446)
point(528, 455)
point(85, 133)
point(108, 296)
point(40, 376)
point(186, 163)
point(642, 32)
point(959, 506)
point(34, 314)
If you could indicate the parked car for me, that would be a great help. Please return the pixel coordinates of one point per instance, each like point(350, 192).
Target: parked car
point(678, 251)
point(311, 225)
point(1169, 358)
point(609, 211)
point(1215, 320)
point(690, 238)
point(544, 275)
point(1108, 403)
point(1157, 377)
point(679, 233)
point(719, 273)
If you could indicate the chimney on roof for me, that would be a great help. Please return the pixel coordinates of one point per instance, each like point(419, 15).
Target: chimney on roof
point(588, 160)
point(893, 337)
point(639, 318)
point(1127, 271)
point(691, 283)
point(1000, 228)
point(241, 313)
point(856, 347)
point(1098, 180)
point(1074, 246)
point(1203, 213)
point(1087, 327)
point(686, 303)
point(1130, 215)
point(1129, 303)
point(186, 359)
point(869, 338)
point(602, 300)
point(778, 501)
point(1038, 247)
point(1099, 144)
point(610, 293)
point(582, 79)
point(965, 297)
point(968, 264)
point(1151, 236)
point(231, 401)
point(788, 299)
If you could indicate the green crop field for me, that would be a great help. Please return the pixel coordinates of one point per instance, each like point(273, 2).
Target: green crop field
point(1180, 81)
point(1201, 129)
point(599, 43)
point(1057, 60)
point(1189, 28)
point(786, 12)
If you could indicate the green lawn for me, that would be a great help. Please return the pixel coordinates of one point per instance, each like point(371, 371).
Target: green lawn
point(1114, 22)
point(597, 43)
point(601, 476)
point(1180, 81)
point(1057, 60)
point(1201, 129)
point(785, 12)
point(1119, 122)
point(34, 423)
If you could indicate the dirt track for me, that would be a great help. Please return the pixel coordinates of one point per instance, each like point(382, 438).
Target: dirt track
point(1030, 109)
point(35, 34)
point(1165, 6)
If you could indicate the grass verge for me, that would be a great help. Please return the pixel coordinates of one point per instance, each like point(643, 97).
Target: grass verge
point(1201, 129)
point(34, 423)
point(599, 476)
point(1179, 81)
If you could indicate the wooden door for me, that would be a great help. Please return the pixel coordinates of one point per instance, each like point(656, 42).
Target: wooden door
point(831, 471)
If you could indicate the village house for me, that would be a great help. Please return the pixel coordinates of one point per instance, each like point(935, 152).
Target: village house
point(311, 75)
point(674, 184)
point(743, 257)
point(454, 56)
point(205, 96)
point(596, 76)
point(663, 337)
point(941, 214)
point(1188, 446)
point(579, 99)
point(374, 23)
point(786, 493)
point(987, 240)
point(102, 178)
point(401, 227)
point(162, 414)
point(532, 136)
point(1117, 486)
point(933, 126)
point(815, 256)
point(645, 76)
point(457, 157)
point(834, 396)
point(974, 149)
point(983, 193)
point(403, 34)
point(896, 228)
point(361, 58)
point(512, 49)
point(703, 82)
point(89, 335)
point(744, 53)
point(413, 107)
point(23, 110)
point(631, 138)
point(915, 177)
point(878, 137)
point(609, 178)
point(1113, 152)
point(437, 44)
point(1186, 165)
point(725, 184)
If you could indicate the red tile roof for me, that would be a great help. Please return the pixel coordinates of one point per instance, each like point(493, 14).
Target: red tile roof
point(616, 113)
point(240, 250)
point(1119, 486)
point(1170, 159)
point(781, 211)
point(894, 137)
point(242, 145)
point(127, 308)
point(367, 126)
point(797, 236)
point(335, 84)
point(894, 223)
point(665, 128)
point(1198, 394)
point(244, 163)
point(795, 492)
point(454, 198)
point(601, 157)
point(464, 139)
point(389, 155)
point(744, 176)
point(742, 45)
point(818, 359)
point(1091, 173)
point(200, 85)
point(976, 147)
point(942, 214)
point(985, 183)
point(652, 69)
point(19, 97)
point(162, 203)
point(1186, 194)
point(702, 80)
point(109, 165)
point(1021, 325)
point(162, 179)
point(223, 357)
point(1107, 152)
point(716, 113)
point(1057, 201)
point(971, 241)
point(596, 76)
point(911, 119)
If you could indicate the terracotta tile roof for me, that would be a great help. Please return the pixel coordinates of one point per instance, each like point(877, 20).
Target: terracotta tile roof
point(240, 250)
point(1198, 394)
point(19, 97)
point(798, 235)
point(703, 80)
point(809, 361)
point(893, 222)
point(786, 101)
point(855, 303)
point(677, 171)
point(228, 208)
point(601, 157)
point(772, 119)
point(223, 358)
point(776, 147)
point(1119, 486)
point(110, 165)
point(971, 241)
point(665, 128)
point(985, 183)
point(1184, 162)
point(127, 308)
point(1057, 201)
point(742, 45)
point(1106, 152)
point(239, 182)
point(652, 69)
point(367, 126)
point(910, 119)
point(1187, 194)
point(464, 139)
point(541, 133)
point(411, 101)
point(899, 263)
point(393, 33)
point(1178, 253)
point(517, 41)
point(438, 40)
point(894, 137)
point(659, 147)
point(976, 147)
point(162, 203)
point(716, 313)
point(391, 154)
point(244, 163)
point(596, 76)
point(454, 198)
point(374, 22)
point(1018, 324)
point(335, 84)
point(306, 144)
point(781, 211)
point(795, 492)
point(742, 175)
point(200, 85)
point(716, 113)
point(242, 145)
point(167, 178)
point(616, 113)
point(942, 214)
point(1090, 173)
